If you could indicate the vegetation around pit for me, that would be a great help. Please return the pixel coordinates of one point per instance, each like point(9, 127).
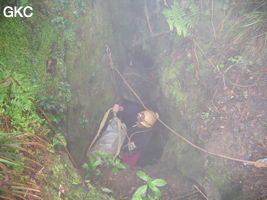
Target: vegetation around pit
point(218, 64)
point(150, 190)
point(34, 92)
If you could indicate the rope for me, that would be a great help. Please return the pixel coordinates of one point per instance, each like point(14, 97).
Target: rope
point(259, 163)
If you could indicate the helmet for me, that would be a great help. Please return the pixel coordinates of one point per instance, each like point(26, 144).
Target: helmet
point(147, 118)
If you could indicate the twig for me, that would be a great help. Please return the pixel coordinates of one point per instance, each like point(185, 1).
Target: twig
point(195, 59)
point(235, 84)
point(9, 76)
point(165, 3)
point(212, 101)
point(242, 86)
point(54, 130)
point(211, 19)
point(6, 122)
point(201, 192)
point(46, 117)
point(229, 11)
point(213, 65)
point(203, 53)
point(147, 17)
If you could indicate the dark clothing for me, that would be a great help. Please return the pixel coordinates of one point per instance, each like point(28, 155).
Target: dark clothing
point(140, 136)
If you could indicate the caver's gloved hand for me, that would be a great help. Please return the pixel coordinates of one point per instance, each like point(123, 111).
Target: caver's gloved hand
point(116, 108)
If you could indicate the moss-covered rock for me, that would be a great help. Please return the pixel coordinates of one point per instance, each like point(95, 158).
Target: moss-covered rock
point(90, 79)
point(26, 44)
point(61, 180)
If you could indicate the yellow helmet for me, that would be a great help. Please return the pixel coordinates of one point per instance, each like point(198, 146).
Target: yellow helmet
point(147, 118)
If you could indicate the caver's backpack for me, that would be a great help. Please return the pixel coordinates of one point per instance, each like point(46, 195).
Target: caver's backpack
point(111, 139)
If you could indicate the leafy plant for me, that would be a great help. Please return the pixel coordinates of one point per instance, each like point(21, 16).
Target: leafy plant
point(101, 159)
point(16, 103)
point(21, 149)
point(57, 140)
point(235, 59)
point(55, 105)
point(151, 186)
point(178, 19)
point(80, 8)
point(207, 116)
point(92, 166)
point(114, 164)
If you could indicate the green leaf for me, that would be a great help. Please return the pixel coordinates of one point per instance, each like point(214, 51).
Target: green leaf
point(120, 165)
point(76, 182)
point(98, 172)
point(155, 190)
point(137, 198)
point(115, 170)
point(179, 19)
point(99, 154)
point(158, 194)
point(97, 163)
point(8, 162)
point(153, 187)
point(106, 190)
point(142, 175)
point(141, 191)
point(85, 166)
point(159, 182)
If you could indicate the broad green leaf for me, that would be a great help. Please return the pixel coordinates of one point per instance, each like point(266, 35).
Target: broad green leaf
point(159, 182)
point(155, 190)
point(142, 175)
point(137, 198)
point(97, 163)
point(141, 191)
point(158, 194)
point(120, 165)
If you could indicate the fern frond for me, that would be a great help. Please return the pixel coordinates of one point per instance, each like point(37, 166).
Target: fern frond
point(178, 20)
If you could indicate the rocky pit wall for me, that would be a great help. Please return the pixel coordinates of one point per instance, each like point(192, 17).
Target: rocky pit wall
point(200, 92)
